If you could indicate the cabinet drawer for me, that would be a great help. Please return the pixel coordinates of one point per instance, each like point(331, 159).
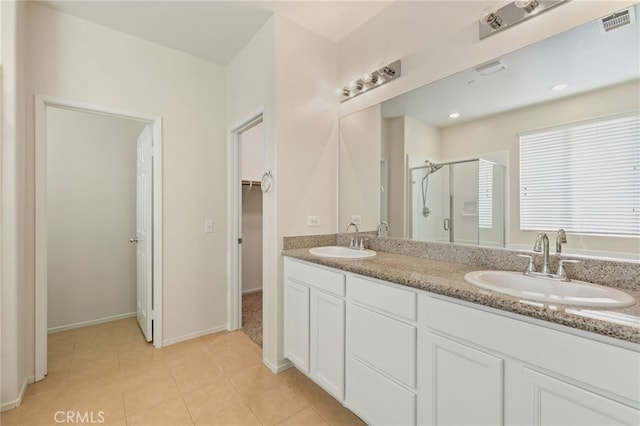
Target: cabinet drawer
point(329, 281)
point(402, 303)
point(382, 342)
point(376, 399)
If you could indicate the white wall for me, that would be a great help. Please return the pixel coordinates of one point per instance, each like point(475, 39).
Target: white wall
point(91, 214)
point(74, 59)
point(289, 72)
point(307, 142)
point(16, 359)
point(500, 133)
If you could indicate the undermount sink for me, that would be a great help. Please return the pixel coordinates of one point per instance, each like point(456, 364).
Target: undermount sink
point(576, 293)
point(341, 252)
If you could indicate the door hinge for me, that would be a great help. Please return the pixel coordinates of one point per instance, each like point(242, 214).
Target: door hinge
point(239, 240)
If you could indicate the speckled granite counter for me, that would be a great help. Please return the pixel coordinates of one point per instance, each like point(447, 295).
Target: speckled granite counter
point(447, 278)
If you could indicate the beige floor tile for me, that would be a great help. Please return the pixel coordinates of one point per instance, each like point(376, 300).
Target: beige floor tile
point(169, 413)
point(255, 380)
point(290, 374)
point(238, 414)
point(54, 381)
point(145, 375)
point(211, 399)
point(97, 403)
point(38, 409)
point(190, 377)
point(323, 403)
point(276, 405)
point(238, 363)
point(105, 383)
point(59, 362)
point(149, 394)
point(306, 417)
point(307, 389)
point(335, 413)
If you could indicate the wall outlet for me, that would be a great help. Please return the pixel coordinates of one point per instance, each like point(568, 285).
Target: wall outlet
point(313, 220)
point(208, 226)
point(356, 218)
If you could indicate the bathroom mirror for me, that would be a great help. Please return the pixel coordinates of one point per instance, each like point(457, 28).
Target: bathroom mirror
point(442, 162)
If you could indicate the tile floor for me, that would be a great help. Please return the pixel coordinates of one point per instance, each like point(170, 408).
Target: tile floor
point(106, 374)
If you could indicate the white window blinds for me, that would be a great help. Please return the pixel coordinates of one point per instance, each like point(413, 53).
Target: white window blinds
point(583, 177)
point(485, 194)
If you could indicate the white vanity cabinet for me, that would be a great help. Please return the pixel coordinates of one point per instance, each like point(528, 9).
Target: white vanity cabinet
point(314, 321)
point(486, 368)
point(381, 343)
point(462, 385)
point(396, 355)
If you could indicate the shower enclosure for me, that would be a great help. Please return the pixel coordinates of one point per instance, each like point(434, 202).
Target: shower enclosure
point(459, 201)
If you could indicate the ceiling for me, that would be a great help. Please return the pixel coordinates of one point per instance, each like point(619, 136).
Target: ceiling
point(585, 57)
point(218, 30)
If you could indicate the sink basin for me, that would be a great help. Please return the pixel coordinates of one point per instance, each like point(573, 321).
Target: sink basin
point(341, 252)
point(576, 293)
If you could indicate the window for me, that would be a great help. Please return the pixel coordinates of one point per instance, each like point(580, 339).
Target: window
point(584, 177)
point(485, 194)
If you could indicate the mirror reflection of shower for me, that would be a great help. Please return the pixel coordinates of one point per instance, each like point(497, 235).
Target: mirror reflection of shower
point(429, 169)
point(457, 201)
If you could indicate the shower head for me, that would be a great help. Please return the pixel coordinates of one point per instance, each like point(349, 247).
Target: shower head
point(431, 167)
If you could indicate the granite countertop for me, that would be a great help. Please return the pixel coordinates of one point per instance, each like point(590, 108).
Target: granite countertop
point(447, 278)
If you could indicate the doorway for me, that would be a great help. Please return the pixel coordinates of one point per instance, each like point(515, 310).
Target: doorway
point(246, 277)
point(81, 200)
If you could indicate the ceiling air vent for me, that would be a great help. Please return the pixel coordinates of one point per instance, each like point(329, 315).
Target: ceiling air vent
point(618, 19)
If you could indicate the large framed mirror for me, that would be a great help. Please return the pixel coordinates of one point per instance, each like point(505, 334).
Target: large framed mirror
point(447, 162)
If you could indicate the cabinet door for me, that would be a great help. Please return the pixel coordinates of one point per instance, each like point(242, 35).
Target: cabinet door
point(327, 342)
point(296, 324)
point(550, 401)
point(463, 386)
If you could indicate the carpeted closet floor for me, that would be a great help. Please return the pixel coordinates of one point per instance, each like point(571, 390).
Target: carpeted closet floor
point(252, 316)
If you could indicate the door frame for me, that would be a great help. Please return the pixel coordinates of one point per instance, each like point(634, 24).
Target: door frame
point(41, 103)
point(234, 284)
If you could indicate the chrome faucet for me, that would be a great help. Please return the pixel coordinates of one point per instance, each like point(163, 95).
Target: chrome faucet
point(384, 225)
point(542, 245)
point(561, 237)
point(355, 243)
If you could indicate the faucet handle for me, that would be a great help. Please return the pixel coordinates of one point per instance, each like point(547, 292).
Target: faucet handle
point(362, 241)
point(352, 244)
point(531, 267)
point(561, 272)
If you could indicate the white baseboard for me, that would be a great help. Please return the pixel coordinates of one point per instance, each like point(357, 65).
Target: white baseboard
point(90, 322)
point(190, 336)
point(252, 290)
point(275, 369)
point(18, 401)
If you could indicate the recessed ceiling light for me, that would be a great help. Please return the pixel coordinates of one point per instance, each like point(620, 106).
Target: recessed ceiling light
point(559, 87)
point(454, 115)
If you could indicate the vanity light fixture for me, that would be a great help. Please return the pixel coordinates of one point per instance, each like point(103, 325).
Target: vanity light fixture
point(371, 81)
point(493, 21)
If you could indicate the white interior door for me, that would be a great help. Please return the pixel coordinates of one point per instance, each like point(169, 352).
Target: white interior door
point(144, 234)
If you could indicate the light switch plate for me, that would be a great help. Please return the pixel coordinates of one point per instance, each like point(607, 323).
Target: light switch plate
point(208, 226)
point(313, 220)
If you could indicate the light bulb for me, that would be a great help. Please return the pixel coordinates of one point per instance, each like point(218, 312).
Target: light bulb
point(528, 5)
point(454, 115)
point(490, 17)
